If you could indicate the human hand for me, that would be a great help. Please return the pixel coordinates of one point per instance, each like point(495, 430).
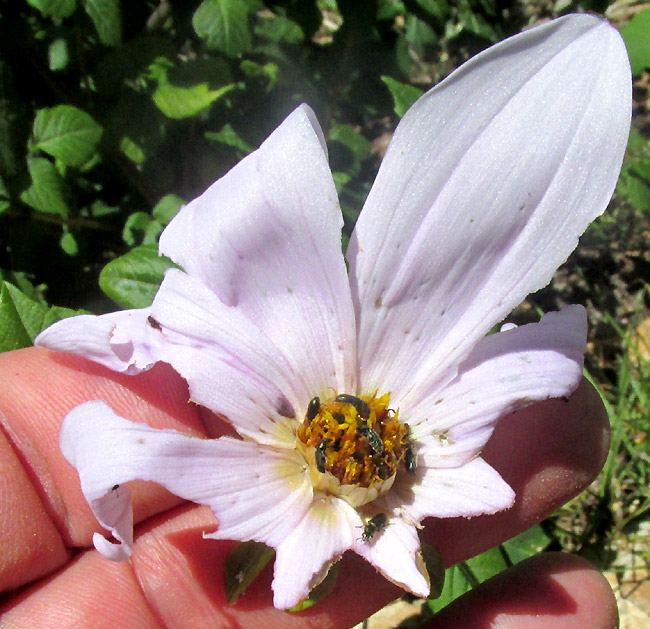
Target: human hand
point(547, 453)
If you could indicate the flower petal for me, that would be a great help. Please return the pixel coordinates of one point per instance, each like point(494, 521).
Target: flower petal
point(122, 341)
point(486, 186)
point(505, 372)
point(262, 494)
point(395, 552)
point(471, 489)
point(266, 238)
point(271, 488)
point(303, 559)
point(230, 366)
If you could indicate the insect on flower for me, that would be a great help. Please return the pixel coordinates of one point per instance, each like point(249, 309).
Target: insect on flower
point(313, 408)
point(488, 182)
point(362, 406)
point(376, 524)
point(153, 323)
point(321, 456)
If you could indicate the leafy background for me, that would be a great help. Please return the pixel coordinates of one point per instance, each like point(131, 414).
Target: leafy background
point(112, 114)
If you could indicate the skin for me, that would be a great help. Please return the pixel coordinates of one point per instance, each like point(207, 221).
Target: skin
point(548, 453)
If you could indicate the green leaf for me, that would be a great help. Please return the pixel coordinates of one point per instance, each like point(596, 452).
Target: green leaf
point(69, 244)
point(100, 208)
point(439, 9)
point(56, 313)
point(637, 145)
point(132, 280)
point(21, 318)
point(230, 137)
point(389, 10)
point(58, 55)
point(243, 565)
point(20, 280)
point(404, 95)
point(66, 133)
point(637, 39)
point(341, 180)
point(456, 584)
point(46, 194)
point(223, 24)
point(4, 196)
point(527, 544)
point(132, 150)
point(472, 21)
point(138, 221)
point(269, 71)
point(107, 19)
point(167, 208)
point(634, 183)
point(183, 102)
point(487, 564)
point(418, 33)
point(323, 589)
point(279, 29)
point(54, 8)
point(468, 574)
point(352, 139)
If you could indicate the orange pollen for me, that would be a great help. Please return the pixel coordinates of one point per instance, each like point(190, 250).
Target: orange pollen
point(359, 440)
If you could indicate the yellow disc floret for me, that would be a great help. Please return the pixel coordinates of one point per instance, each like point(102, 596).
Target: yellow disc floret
point(353, 443)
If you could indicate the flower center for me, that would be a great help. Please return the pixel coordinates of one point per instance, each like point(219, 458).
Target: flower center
point(354, 446)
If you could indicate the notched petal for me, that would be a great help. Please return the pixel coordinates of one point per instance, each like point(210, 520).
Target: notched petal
point(123, 341)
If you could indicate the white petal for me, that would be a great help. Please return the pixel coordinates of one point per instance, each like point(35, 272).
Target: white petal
point(302, 560)
point(472, 489)
point(230, 366)
point(271, 488)
point(505, 371)
point(123, 341)
point(266, 238)
point(486, 186)
point(261, 494)
point(395, 552)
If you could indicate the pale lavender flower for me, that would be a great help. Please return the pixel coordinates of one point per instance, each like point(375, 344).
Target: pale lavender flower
point(487, 184)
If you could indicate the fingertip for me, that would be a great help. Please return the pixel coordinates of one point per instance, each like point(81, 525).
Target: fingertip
point(548, 453)
point(548, 591)
point(45, 386)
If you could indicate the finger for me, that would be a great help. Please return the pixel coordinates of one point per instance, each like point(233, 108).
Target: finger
point(580, 415)
point(177, 577)
point(549, 591)
point(43, 509)
point(548, 453)
point(31, 545)
point(88, 592)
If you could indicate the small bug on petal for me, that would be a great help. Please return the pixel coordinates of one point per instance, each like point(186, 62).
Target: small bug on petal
point(153, 323)
point(362, 407)
point(373, 526)
point(320, 455)
point(312, 409)
point(373, 438)
point(410, 459)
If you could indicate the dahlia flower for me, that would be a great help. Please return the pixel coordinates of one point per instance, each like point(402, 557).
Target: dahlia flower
point(362, 398)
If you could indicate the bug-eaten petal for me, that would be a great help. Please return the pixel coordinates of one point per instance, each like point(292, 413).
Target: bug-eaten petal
point(504, 372)
point(395, 552)
point(474, 488)
point(263, 491)
point(302, 561)
point(231, 367)
point(266, 238)
point(122, 341)
point(485, 188)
